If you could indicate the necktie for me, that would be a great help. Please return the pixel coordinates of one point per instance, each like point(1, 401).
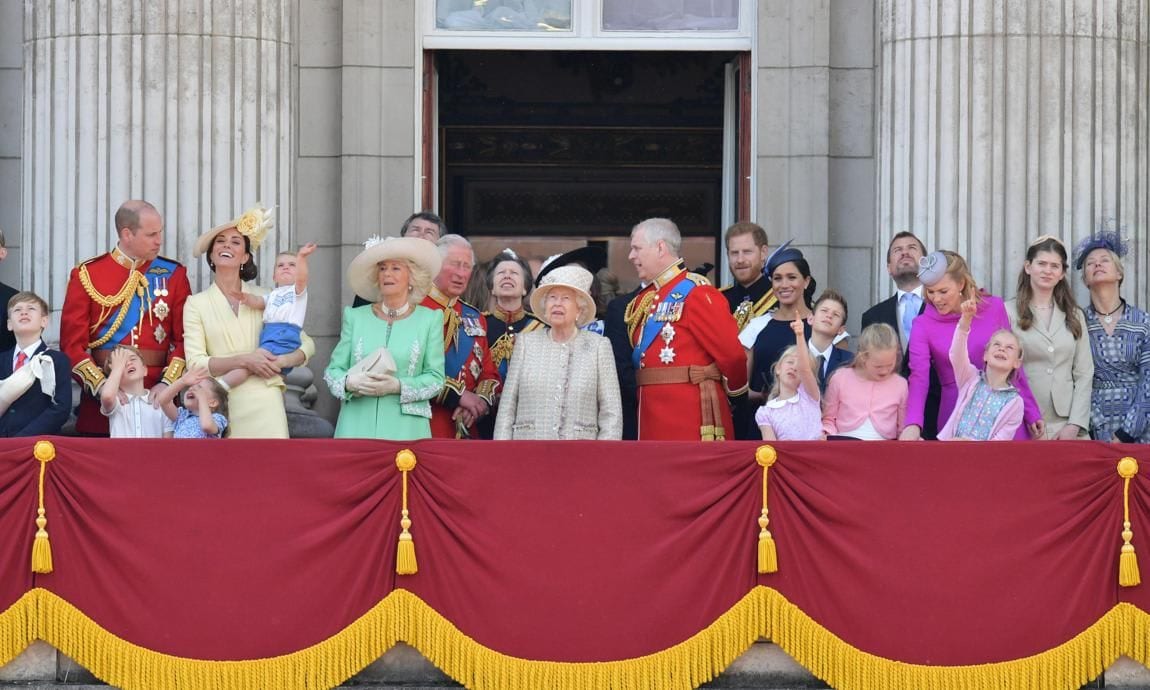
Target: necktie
point(21, 357)
point(822, 363)
point(910, 306)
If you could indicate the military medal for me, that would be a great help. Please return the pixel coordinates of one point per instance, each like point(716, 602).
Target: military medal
point(667, 354)
point(160, 333)
point(160, 308)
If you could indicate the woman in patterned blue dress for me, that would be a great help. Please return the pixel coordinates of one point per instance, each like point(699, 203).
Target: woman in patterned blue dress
point(1120, 342)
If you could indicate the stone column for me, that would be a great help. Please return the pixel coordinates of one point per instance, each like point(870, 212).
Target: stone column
point(189, 105)
point(999, 121)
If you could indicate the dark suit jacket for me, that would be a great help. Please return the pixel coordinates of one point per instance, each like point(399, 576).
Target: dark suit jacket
point(7, 340)
point(36, 414)
point(616, 331)
point(886, 312)
point(839, 358)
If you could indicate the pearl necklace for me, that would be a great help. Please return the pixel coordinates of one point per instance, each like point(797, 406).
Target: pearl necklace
point(393, 313)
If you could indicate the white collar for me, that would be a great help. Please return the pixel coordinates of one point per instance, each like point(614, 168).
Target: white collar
point(776, 403)
point(30, 350)
point(826, 354)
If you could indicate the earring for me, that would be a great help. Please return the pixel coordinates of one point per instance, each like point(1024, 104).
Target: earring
point(411, 288)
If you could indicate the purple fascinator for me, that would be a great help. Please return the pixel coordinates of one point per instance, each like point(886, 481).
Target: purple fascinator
point(931, 268)
point(1103, 239)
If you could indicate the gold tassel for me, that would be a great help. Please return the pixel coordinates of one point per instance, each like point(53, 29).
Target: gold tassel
point(405, 563)
point(45, 452)
point(1128, 575)
point(768, 557)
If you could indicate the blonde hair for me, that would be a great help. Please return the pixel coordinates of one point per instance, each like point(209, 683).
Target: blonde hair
point(791, 350)
point(874, 338)
point(957, 269)
point(1012, 334)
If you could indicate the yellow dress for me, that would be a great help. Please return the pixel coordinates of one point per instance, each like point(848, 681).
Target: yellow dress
point(211, 329)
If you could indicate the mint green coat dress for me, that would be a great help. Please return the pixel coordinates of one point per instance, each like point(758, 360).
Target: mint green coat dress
point(416, 344)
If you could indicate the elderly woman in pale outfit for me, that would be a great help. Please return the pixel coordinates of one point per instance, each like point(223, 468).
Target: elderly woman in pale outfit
point(388, 364)
point(562, 383)
point(222, 333)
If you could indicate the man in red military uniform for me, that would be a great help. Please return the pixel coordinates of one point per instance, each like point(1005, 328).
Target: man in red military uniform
point(472, 380)
point(129, 295)
point(687, 355)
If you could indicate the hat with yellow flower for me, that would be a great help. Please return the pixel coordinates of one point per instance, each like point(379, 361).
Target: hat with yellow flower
point(254, 224)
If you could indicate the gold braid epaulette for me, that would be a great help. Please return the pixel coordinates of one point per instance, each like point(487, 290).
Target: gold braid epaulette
point(136, 282)
point(636, 311)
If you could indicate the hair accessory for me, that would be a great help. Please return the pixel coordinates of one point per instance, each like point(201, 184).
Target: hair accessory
point(372, 241)
point(255, 224)
point(782, 255)
point(931, 268)
point(1103, 239)
point(1044, 238)
point(511, 252)
point(772, 255)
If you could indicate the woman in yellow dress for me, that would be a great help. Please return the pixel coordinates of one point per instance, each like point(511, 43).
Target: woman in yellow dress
point(222, 333)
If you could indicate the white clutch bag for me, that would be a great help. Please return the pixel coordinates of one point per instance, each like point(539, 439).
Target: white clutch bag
point(378, 362)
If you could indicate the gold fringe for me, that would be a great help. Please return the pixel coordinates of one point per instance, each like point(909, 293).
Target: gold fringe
point(45, 452)
point(1128, 575)
point(763, 612)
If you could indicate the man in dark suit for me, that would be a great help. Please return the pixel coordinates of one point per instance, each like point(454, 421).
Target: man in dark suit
point(615, 329)
point(899, 310)
point(7, 292)
point(39, 400)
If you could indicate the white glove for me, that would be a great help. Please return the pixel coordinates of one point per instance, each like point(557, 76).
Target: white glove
point(373, 385)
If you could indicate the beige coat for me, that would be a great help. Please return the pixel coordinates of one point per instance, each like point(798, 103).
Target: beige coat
point(1059, 368)
point(560, 391)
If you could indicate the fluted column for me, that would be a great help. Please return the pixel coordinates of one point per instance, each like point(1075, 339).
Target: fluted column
point(189, 105)
point(1002, 120)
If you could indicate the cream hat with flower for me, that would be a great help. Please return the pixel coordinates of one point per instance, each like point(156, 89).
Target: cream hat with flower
point(363, 272)
point(254, 224)
point(570, 276)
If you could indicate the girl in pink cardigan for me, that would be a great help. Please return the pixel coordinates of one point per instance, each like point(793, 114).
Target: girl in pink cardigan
point(867, 400)
point(989, 407)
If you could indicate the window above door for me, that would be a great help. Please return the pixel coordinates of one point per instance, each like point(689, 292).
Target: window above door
point(579, 24)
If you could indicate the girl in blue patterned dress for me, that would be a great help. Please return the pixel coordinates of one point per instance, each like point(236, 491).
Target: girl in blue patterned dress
point(204, 413)
point(989, 407)
point(1120, 342)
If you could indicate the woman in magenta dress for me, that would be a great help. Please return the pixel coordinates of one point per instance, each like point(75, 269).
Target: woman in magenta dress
point(948, 283)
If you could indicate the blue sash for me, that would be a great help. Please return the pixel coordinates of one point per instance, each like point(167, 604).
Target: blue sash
point(456, 357)
point(160, 269)
point(669, 309)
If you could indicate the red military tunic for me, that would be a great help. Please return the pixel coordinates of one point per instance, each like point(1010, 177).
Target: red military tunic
point(101, 292)
point(471, 369)
point(696, 335)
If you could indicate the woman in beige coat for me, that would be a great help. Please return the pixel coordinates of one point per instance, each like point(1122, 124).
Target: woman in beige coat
point(561, 384)
point(1055, 346)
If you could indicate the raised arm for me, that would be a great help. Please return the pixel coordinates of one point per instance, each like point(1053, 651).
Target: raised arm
point(301, 270)
point(807, 378)
point(964, 370)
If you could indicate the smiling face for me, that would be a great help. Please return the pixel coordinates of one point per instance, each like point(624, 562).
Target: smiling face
point(455, 273)
point(789, 283)
point(27, 319)
point(508, 280)
point(1003, 352)
point(561, 306)
point(945, 295)
point(229, 250)
point(746, 258)
point(285, 271)
point(1101, 268)
point(1045, 270)
point(394, 279)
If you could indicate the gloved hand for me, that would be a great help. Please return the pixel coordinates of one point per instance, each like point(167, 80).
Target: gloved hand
point(389, 385)
point(372, 385)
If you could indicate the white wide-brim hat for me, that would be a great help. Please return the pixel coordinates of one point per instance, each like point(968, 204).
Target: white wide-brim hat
point(570, 276)
point(363, 273)
point(254, 224)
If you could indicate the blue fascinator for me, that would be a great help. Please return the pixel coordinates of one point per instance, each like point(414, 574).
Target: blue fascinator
point(1103, 239)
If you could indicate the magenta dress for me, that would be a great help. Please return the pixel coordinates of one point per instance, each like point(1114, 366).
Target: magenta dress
point(930, 346)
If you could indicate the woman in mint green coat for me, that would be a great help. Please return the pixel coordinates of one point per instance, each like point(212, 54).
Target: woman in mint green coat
point(388, 364)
